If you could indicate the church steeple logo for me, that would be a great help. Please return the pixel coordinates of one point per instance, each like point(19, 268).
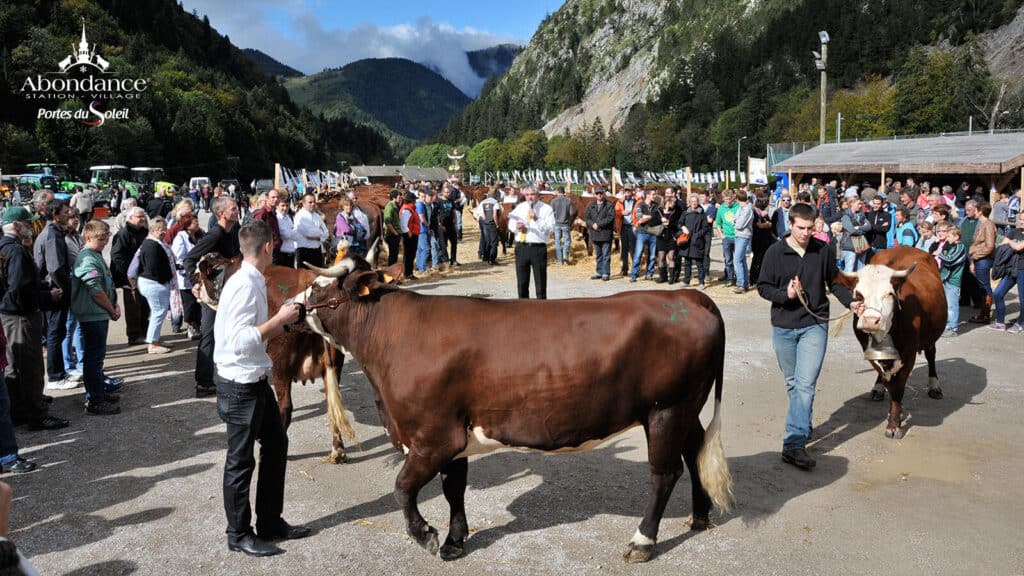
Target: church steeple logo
point(82, 57)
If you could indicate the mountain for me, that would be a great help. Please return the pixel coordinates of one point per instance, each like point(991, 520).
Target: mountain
point(408, 100)
point(205, 107)
point(269, 66)
point(685, 78)
point(493, 61)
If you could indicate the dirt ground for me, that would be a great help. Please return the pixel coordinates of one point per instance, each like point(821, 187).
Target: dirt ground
point(140, 493)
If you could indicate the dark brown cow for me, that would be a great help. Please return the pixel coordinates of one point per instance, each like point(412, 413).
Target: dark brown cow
point(905, 309)
point(456, 394)
point(297, 355)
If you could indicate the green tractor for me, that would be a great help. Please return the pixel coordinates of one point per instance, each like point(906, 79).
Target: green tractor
point(60, 173)
point(151, 180)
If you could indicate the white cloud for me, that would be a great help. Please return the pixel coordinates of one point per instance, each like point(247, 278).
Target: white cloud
point(310, 47)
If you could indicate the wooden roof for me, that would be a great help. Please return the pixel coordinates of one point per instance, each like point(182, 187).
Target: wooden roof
point(977, 154)
point(411, 173)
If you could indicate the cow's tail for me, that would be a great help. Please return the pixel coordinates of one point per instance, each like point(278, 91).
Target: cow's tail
point(711, 462)
point(336, 417)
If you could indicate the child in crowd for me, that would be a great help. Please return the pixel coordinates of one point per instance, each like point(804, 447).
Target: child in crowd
point(952, 258)
point(927, 239)
point(837, 245)
point(819, 230)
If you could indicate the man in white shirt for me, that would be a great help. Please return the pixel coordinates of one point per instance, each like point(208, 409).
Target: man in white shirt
point(310, 233)
point(246, 402)
point(532, 223)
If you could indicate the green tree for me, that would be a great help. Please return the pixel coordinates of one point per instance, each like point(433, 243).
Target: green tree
point(483, 156)
point(432, 155)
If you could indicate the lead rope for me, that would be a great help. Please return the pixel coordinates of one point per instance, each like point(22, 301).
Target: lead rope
point(840, 319)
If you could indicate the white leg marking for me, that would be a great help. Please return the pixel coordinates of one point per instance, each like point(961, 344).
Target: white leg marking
point(641, 540)
point(933, 382)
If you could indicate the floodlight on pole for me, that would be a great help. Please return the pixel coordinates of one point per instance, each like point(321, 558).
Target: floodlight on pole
point(821, 64)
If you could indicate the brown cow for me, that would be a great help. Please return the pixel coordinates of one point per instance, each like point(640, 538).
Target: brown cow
point(905, 310)
point(456, 394)
point(297, 355)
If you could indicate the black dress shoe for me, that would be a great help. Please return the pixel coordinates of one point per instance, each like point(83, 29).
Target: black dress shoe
point(19, 466)
point(49, 423)
point(285, 531)
point(798, 457)
point(204, 391)
point(252, 546)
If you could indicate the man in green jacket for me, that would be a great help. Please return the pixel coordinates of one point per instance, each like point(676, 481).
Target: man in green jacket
point(94, 302)
point(725, 228)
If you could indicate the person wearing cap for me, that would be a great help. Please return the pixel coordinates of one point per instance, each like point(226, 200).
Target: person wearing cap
point(532, 222)
point(600, 218)
point(392, 226)
point(21, 303)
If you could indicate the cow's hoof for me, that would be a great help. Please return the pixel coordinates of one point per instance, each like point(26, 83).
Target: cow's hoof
point(427, 539)
point(699, 524)
point(451, 551)
point(935, 393)
point(877, 395)
point(894, 433)
point(638, 554)
point(337, 457)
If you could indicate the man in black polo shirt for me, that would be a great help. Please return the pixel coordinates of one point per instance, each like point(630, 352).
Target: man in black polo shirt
point(800, 263)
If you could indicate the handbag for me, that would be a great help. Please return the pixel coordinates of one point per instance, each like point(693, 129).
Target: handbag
point(860, 244)
point(177, 309)
point(656, 230)
point(683, 239)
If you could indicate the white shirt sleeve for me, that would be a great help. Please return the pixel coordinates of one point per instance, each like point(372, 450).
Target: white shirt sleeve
point(243, 339)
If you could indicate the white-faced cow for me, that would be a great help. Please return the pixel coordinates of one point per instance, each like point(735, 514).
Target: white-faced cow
point(445, 395)
point(905, 309)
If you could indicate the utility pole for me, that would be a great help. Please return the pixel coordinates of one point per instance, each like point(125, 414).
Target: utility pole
point(739, 170)
point(821, 63)
point(839, 128)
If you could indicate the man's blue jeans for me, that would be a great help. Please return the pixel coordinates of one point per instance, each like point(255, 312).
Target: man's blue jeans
point(800, 352)
point(983, 272)
point(422, 251)
point(728, 250)
point(739, 260)
point(562, 240)
point(1003, 289)
point(852, 261)
point(95, 336)
point(8, 445)
point(952, 306)
point(648, 242)
point(438, 249)
point(603, 251)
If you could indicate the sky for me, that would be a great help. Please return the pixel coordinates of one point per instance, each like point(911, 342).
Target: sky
point(310, 35)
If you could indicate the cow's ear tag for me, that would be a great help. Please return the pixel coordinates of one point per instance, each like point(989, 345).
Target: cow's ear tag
point(364, 291)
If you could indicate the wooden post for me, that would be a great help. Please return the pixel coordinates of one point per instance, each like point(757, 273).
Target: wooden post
point(614, 172)
point(689, 183)
point(277, 175)
point(881, 185)
point(792, 185)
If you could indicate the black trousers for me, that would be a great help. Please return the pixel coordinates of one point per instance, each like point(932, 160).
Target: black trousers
point(56, 330)
point(489, 242)
point(83, 219)
point(190, 310)
point(409, 244)
point(136, 315)
point(452, 238)
point(532, 257)
point(394, 241)
point(284, 259)
point(314, 256)
point(204, 352)
point(250, 411)
point(24, 375)
point(627, 244)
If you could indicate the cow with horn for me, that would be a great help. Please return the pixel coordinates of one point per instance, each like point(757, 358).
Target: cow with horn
point(904, 314)
point(446, 398)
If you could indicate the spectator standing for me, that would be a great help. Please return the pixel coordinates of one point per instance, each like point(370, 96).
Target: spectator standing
point(182, 238)
point(532, 223)
point(881, 223)
point(94, 301)
point(724, 224)
point(648, 226)
point(72, 347)
point(927, 239)
point(154, 274)
point(665, 242)
point(982, 251)
point(423, 209)
point(289, 238)
point(627, 232)
point(794, 265)
point(763, 236)
point(565, 214)
point(707, 203)
point(246, 402)
point(600, 219)
point(952, 258)
point(221, 238)
point(1014, 276)
point(20, 303)
point(156, 206)
point(122, 251)
point(906, 232)
point(310, 233)
point(487, 215)
point(267, 212)
point(780, 217)
point(10, 461)
point(82, 202)
point(695, 223)
point(855, 225)
point(52, 259)
point(1001, 213)
point(392, 226)
point(409, 226)
point(743, 231)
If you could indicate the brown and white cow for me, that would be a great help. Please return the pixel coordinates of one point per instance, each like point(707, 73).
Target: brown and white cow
point(443, 396)
point(297, 355)
point(905, 308)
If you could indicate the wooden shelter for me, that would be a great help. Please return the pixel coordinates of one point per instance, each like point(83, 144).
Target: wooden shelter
point(995, 159)
point(392, 175)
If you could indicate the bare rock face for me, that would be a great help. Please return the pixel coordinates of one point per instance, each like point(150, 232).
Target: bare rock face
point(1005, 48)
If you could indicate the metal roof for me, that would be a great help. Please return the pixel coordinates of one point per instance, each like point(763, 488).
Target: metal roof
point(975, 154)
point(415, 173)
point(375, 171)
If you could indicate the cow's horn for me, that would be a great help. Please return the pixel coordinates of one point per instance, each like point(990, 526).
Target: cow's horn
point(853, 275)
point(901, 274)
point(339, 270)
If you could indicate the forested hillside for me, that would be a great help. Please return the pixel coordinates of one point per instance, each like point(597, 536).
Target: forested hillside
point(269, 66)
point(207, 108)
point(664, 84)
